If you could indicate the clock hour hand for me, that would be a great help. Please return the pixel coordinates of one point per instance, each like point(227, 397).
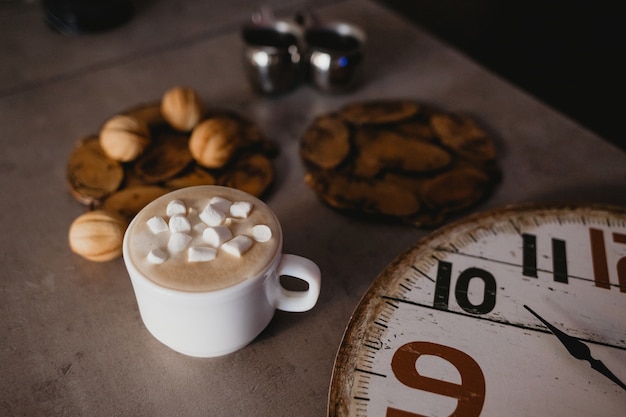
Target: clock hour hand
point(579, 350)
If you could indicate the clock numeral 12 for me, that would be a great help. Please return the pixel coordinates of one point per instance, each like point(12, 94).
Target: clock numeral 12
point(600, 264)
point(559, 259)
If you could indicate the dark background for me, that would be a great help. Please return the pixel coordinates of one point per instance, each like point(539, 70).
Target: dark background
point(569, 54)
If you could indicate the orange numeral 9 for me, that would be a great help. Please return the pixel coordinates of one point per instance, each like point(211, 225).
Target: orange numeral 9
point(470, 393)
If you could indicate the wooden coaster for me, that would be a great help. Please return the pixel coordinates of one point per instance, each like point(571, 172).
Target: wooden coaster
point(399, 159)
point(167, 164)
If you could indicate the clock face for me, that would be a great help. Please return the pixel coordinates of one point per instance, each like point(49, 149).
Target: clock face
point(444, 329)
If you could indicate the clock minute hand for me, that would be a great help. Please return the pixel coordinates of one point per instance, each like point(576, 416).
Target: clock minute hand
point(579, 350)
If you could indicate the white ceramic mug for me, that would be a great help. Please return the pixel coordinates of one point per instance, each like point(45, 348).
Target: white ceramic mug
point(208, 323)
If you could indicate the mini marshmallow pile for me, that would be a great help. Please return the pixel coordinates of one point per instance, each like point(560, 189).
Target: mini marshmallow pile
point(214, 223)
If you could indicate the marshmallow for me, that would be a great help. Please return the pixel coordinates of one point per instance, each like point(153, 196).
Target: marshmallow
point(176, 207)
point(212, 215)
point(199, 227)
point(178, 242)
point(217, 235)
point(201, 254)
point(238, 245)
point(221, 203)
point(157, 225)
point(261, 233)
point(157, 256)
point(240, 209)
point(179, 223)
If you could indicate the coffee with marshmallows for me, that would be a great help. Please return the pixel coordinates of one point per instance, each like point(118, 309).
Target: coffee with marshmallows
point(203, 238)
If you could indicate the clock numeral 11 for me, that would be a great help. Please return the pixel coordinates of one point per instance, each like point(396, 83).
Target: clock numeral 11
point(559, 259)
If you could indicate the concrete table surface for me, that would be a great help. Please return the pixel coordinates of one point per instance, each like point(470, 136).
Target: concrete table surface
point(71, 338)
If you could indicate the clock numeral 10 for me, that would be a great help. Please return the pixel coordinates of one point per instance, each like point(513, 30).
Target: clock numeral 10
point(442, 289)
point(559, 259)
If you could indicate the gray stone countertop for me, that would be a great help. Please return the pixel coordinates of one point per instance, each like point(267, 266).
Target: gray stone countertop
point(71, 338)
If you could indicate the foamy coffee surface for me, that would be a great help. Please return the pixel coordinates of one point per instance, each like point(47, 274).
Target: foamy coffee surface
point(203, 238)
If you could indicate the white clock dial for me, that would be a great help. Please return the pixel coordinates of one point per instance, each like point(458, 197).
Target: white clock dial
point(444, 329)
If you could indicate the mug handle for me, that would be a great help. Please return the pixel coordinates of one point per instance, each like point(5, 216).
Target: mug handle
point(304, 269)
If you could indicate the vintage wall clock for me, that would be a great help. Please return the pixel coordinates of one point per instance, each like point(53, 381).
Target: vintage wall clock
point(514, 312)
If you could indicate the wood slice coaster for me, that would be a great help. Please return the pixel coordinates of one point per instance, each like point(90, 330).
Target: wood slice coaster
point(399, 159)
